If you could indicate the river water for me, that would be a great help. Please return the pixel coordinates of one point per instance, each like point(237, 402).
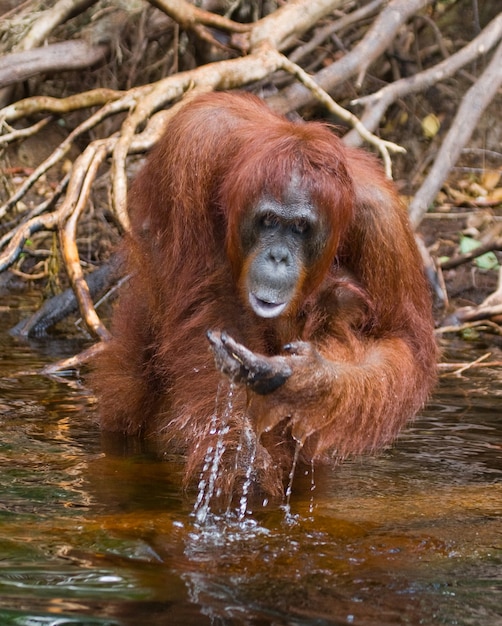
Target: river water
point(96, 531)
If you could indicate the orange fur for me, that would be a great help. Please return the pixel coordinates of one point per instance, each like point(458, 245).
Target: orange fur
point(364, 307)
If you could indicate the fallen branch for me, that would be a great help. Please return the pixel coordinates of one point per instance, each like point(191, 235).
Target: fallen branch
point(97, 151)
point(489, 309)
point(57, 106)
point(280, 29)
point(138, 115)
point(376, 104)
point(475, 101)
point(48, 20)
point(111, 108)
point(457, 369)
point(23, 133)
point(382, 146)
point(357, 61)
point(43, 26)
point(63, 304)
point(489, 246)
point(57, 57)
point(189, 16)
point(73, 363)
point(329, 30)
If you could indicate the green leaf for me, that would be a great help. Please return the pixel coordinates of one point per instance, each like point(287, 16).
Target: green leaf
point(468, 244)
point(487, 261)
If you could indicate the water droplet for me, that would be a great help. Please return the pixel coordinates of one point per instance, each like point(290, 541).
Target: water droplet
point(212, 460)
point(312, 486)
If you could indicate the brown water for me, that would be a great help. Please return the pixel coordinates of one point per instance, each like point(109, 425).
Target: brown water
point(95, 532)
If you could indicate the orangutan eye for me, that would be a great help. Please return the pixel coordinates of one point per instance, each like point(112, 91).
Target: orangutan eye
point(300, 227)
point(269, 220)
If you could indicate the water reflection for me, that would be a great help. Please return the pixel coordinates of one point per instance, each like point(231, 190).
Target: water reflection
point(98, 531)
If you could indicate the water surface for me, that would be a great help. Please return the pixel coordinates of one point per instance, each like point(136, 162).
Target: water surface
point(99, 532)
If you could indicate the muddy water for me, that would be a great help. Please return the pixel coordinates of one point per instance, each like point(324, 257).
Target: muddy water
point(98, 532)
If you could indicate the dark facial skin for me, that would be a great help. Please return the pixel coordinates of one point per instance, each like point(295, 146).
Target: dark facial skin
point(281, 240)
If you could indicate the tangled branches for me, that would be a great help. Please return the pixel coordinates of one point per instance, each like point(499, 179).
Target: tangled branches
point(295, 55)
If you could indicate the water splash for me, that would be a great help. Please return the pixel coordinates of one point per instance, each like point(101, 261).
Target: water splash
point(245, 456)
point(289, 490)
point(312, 486)
point(248, 439)
point(211, 468)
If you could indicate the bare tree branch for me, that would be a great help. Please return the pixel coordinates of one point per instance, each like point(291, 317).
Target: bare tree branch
point(383, 146)
point(217, 53)
point(65, 55)
point(357, 60)
point(473, 104)
point(43, 26)
point(50, 19)
point(91, 159)
point(332, 28)
point(188, 16)
point(59, 106)
point(376, 104)
point(281, 28)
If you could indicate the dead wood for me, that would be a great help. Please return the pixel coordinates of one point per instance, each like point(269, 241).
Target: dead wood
point(489, 309)
point(376, 104)
point(357, 61)
point(64, 304)
point(473, 104)
point(56, 57)
point(43, 26)
point(278, 56)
